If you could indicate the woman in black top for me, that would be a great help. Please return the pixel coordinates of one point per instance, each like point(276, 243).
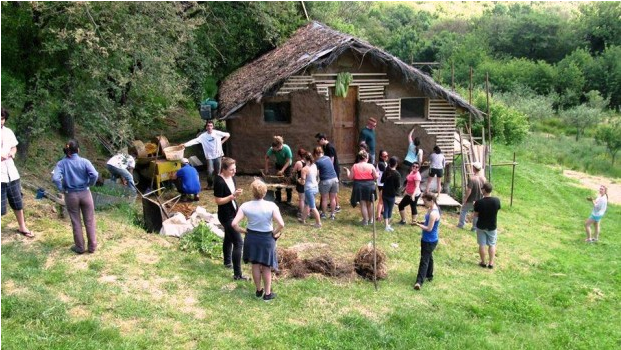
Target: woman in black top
point(297, 170)
point(392, 182)
point(225, 193)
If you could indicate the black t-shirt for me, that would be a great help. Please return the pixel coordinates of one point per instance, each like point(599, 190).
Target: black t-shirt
point(487, 208)
point(392, 183)
point(227, 211)
point(330, 151)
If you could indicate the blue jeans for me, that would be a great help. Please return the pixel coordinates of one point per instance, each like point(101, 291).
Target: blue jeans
point(389, 204)
point(213, 169)
point(462, 215)
point(122, 173)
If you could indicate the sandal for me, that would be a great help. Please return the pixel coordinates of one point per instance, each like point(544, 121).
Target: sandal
point(28, 234)
point(482, 264)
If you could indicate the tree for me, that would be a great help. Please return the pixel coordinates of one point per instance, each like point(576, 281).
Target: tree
point(587, 114)
point(600, 25)
point(609, 135)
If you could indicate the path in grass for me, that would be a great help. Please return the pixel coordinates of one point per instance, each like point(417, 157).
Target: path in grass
point(593, 182)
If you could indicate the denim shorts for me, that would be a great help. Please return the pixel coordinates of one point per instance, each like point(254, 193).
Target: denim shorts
point(485, 237)
point(309, 198)
point(596, 218)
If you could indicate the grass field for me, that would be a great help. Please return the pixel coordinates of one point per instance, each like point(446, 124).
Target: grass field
point(549, 289)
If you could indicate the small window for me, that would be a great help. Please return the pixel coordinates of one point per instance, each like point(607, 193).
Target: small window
point(277, 112)
point(413, 107)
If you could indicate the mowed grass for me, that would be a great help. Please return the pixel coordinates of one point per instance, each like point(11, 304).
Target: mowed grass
point(139, 291)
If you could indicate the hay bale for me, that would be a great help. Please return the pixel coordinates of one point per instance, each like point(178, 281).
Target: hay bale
point(363, 263)
point(322, 264)
point(298, 269)
point(286, 257)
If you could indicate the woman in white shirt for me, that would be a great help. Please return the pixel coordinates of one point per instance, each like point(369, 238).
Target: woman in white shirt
point(260, 243)
point(599, 208)
point(437, 162)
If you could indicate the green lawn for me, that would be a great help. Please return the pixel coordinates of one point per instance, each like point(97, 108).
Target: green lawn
point(140, 291)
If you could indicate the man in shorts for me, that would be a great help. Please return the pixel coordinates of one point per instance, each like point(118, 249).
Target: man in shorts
point(486, 210)
point(11, 186)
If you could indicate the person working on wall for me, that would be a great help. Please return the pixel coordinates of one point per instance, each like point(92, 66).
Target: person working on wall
point(122, 165)
point(282, 163)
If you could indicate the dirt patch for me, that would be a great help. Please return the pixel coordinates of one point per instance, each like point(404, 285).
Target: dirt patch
point(593, 182)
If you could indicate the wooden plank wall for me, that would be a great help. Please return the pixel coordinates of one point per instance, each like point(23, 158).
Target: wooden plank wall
point(371, 88)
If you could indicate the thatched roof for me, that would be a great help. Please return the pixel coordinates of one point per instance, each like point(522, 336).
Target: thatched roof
point(316, 45)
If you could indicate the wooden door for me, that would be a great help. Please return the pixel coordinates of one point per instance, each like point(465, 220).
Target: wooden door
point(344, 124)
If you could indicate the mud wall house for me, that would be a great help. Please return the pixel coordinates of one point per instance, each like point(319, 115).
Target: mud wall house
point(289, 91)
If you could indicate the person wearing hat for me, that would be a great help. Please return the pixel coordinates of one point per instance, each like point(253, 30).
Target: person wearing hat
point(187, 181)
point(473, 194)
point(368, 136)
point(122, 165)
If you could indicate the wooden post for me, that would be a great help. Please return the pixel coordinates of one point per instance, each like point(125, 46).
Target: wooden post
point(305, 13)
point(512, 179)
point(489, 129)
point(452, 76)
point(470, 102)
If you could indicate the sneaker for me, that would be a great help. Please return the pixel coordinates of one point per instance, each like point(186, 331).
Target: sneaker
point(482, 264)
point(402, 222)
point(241, 278)
point(228, 266)
point(337, 209)
point(460, 226)
point(389, 229)
point(332, 217)
point(364, 223)
point(490, 266)
point(268, 297)
point(316, 225)
point(258, 293)
point(322, 216)
point(302, 221)
point(417, 286)
point(76, 250)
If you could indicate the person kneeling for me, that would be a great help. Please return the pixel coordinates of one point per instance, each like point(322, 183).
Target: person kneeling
point(187, 181)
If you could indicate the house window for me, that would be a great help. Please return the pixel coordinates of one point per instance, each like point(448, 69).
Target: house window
point(277, 112)
point(413, 107)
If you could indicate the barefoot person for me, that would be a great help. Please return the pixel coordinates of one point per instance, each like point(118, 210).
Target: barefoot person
point(486, 210)
point(599, 208)
point(428, 241)
point(260, 242)
point(11, 186)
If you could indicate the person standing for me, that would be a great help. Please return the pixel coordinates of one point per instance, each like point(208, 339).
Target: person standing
point(122, 165)
point(473, 193)
point(212, 141)
point(260, 242)
point(599, 208)
point(368, 136)
point(225, 193)
point(392, 183)
point(382, 165)
point(363, 192)
point(414, 154)
point(299, 188)
point(73, 176)
point(429, 240)
point(282, 165)
point(486, 211)
point(412, 193)
point(187, 181)
point(11, 185)
point(437, 163)
point(309, 180)
point(330, 152)
point(328, 182)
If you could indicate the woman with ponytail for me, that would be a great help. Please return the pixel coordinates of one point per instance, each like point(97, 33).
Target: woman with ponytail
point(599, 208)
point(429, 240)
point(72, 176)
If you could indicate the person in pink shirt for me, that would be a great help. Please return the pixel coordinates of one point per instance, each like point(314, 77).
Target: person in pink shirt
point(364, 176)
point(412, 190)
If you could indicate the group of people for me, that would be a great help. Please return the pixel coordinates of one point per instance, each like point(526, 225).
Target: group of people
point(315, 172)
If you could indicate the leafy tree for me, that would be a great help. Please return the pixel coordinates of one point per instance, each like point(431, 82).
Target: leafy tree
point(537, 107)
point(604, 75)
point(600, 25)
point(610, 136)
point(585, 115)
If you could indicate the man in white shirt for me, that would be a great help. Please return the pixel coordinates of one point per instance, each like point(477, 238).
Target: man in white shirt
point(11, 186)
point(212, 141)
point(122, 165)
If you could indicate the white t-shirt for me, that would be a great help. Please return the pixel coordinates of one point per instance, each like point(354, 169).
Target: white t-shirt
point(8, 171)
point(212, 143)
point(259, 214)
point(122, 161)
point(601, 203)
point(437, 161)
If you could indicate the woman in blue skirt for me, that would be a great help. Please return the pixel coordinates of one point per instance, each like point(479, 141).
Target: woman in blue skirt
point(260, 241)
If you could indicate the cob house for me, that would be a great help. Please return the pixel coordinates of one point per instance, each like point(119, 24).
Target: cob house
point(290, 91)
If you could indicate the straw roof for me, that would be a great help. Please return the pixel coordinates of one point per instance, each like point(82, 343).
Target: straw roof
point(316, 45)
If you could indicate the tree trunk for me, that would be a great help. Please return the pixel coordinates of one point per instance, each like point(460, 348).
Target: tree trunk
point(67, 124)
